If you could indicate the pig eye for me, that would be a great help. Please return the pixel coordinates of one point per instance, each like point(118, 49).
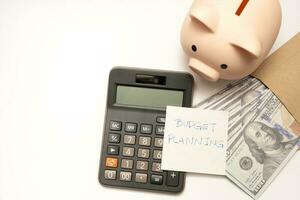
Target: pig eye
point(224, 66)
point(194, 48)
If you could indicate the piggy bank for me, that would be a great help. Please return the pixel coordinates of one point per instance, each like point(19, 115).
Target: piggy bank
point(229, 39)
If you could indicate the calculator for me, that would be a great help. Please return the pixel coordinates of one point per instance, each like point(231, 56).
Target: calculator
point(134, 127)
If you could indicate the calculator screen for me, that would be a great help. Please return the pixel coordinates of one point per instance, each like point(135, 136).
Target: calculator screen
point(148, 97)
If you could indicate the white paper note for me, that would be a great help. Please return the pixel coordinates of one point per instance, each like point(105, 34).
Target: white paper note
point(195, 140)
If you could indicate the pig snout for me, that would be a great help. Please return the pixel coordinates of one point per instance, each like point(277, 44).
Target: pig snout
point(204, 70)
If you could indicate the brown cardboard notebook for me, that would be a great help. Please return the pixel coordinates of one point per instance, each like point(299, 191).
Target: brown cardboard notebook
point(281, 73)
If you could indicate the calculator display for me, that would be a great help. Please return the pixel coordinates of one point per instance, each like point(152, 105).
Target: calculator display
point(148, 97)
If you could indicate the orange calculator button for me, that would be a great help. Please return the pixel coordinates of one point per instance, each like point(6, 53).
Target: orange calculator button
point(111, 162)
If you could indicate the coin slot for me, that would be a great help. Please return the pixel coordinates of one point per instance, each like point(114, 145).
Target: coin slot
point(242, 7)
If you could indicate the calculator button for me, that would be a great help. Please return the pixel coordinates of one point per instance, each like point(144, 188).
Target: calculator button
point(111, 162)
point(172, 178)
point(146, 128)
point(128, 151)
point(160, 130)
point(110, 174)
point(143, 153)
point(129, 139)
point(115, 125)
point(156, 179)
point(161, 120)
point(156, 167)
point(113, 150)
point(127, 164)
point(158, 142)
point(141, 178)
point(157, 154)
point(130, 127)
point(142, 165)
point(114, 138)
point(125, 176)
point(145, 141)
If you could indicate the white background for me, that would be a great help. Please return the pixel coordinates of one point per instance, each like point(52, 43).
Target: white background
point(55, 57)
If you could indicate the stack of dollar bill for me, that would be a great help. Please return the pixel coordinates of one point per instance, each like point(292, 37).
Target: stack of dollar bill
point(262, 135)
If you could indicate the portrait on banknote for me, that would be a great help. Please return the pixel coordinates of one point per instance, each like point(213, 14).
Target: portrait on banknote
point(267, 146)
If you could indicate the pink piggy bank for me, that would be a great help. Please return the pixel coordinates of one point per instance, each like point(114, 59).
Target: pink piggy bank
point(229, 39)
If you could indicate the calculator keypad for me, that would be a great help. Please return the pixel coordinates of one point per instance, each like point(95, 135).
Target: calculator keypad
point(134, 153)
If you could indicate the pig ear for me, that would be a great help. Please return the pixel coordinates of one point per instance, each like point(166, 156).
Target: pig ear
point(250, 44)
point(207, 16)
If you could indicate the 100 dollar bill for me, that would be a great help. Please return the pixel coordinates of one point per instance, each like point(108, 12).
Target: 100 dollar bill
point(266, 144)
point(263, 135)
